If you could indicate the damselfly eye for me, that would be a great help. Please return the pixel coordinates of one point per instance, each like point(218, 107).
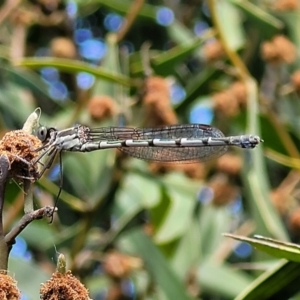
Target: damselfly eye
point(42, 133)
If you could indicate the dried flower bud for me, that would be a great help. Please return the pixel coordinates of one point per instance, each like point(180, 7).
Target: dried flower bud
point(230, 164)
point(19, 147)
point(269, 52)
point(230, 101)
point(294, 221)
point(160, 114)
point(224, 192)
point(50, 5)
point(224, 102)
point(295, 79)
point(192, 282)
point(195, 170)
point(279, 50)
point(63, 286)
point(148, 229)
point(119, 265)
point(278, 198)
point(115, 292)
point(101, 107)
point(63, 47)
point(286, 5)
point(22, 16)
point(8, 288)
point(239, 91)
point(213, 51)
point(157, 102)
point(286, 48)
point(154, 88)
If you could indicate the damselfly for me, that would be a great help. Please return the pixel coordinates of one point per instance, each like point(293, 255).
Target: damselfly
point(177, 143)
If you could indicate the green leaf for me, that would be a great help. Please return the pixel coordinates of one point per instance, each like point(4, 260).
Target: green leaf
point(273, 247)
point(137, 188)
point(256, 179)
point(137, 242)
point(258, 192)
point(72, 66)
point(53, 238)
point(92, 173)
point(231, 25)
point(292, 23)
point(110, 63)
point(137, 192)
point(213, 221)
point(12, 100)
point(71, 200)
point(222, 279)
point(29, 277)
point(165, 62)
point(187, 252)
point(179, 33)
point(280, 282)
point(198, 86)
point(265, 22)
point(35, 230)
point(25, 78)
point(181, 203)
point(122, 6)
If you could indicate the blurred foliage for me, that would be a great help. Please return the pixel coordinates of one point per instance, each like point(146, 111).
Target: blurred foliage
point(137, 230)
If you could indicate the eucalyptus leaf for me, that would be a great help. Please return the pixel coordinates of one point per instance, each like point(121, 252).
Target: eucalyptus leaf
point(28, 285)
point(122, 6)
point(273, 247)
point(72, 66)
point(140, 244)
point(165, 62)
point(177, 216)
point(267, 24)
point(230, 21)
point(222, 279)
point(279, 282)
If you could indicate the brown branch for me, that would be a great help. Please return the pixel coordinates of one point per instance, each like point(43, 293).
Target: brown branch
point(46, 211)
point(130, 18)
point(4, 170)
point(4, 249)
point(7, 9)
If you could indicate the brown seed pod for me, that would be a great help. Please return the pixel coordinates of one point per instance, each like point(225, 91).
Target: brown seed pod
point(63, 47)
point(101, 107)
point(194, 170)
point(294, 221)
point(278, 198)
point(230, 164)
point(8, 288)
point(20, 149)
point(118, 265)
point(295, 79)
point(225, 103)
point(213, 51)
point(239, 91)
point(224, 191)
point(279, 50)
point(286, 5)
point(63, 286)
point(156, 99)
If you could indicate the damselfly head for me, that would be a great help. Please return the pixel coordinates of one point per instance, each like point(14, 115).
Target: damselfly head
point(42, 133)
